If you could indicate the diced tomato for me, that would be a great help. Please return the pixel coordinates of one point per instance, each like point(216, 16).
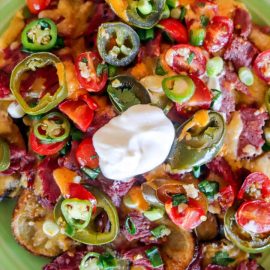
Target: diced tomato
point(186, 58)
point(254, 216)
point(86, 69)
point(205, 8)
point(175, 30)
point(262, 66)
point(218, 34)
point(35, 6)
point(86, 154)
point(255, 187)
point(201, 99)
point(189, 218)
point(79, 192)
point(81, 111)
point(226, 197)
point(44, 149)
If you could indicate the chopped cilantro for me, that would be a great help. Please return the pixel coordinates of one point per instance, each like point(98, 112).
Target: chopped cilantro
point(102, 68)
point(209, 188)
point(204, 20)
point(178, 199)
point(222, 258)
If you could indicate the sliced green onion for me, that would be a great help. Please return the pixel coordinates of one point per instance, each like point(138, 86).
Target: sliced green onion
point(246, 76)
point(107, 261)
point(166, 12)
point(145, 7)
point(190, 58)
point(146, 34)
point(214, 66)
point(91, 173)
point(178, 199)
point(4, 155)
point(222, 258)
point(154, 214)
point(197, 36)
point(183, 13)
point(176, 13)
point(204, 20)
point(159, 69)
point(130, 226)
point(196, 171)
point(210, 189)
point(154, 257)
point(172, 3)
point(160, 231)
point(90, 261)
point(217, 94)
point(179, 88)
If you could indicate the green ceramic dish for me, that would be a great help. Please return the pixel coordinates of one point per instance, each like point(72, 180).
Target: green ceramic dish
point(14, 257)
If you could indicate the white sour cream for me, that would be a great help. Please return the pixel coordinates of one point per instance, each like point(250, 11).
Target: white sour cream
point(134, 142)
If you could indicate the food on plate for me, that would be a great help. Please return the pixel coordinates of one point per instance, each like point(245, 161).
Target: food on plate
point(136, 134)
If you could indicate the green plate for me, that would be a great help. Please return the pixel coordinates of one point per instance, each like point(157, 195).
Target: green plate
point(14, 257)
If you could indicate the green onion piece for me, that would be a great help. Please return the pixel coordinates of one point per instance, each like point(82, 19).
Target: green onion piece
point(154, 257)
point(176, 13)
point(107, 261)
point(91, 173)
point(154, 214)
point(210, 189)
point(246, 76)
point(145, 7)
point(217, 94)
point(197, 36)
point(179, 88)
point(166, 12)
point(90, 261)
point(222, 258)
point(183, 13)
point(160, 231)
point(204, 20)
point(214, 66)
point(190, 58)
point(102, 68)
point(196, 171)
point(159, 69)
point(146, 34)
point(130, 226)
point(4, 155)
point(172, 3)
point(178, 199)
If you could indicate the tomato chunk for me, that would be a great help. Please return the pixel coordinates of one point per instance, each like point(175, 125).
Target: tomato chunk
point(262, 66)
point(218, 34)
point(254, 216)
point(175, 30)
point(91, 75)
point(86, 154)
point(186, 58)
point(35, 6)
point(255, 187)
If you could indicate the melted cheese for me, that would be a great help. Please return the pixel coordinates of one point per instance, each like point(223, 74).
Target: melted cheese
point(200, 119)
point(260, 39)
point(119, 7)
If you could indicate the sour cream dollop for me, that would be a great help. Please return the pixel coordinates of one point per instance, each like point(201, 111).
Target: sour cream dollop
point(134, 142)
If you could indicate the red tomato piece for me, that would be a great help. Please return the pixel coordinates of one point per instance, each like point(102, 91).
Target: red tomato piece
point(226, 197)
point(35, 6)
point(201, 99)
point(175, 30)
point(79, 192)
point(255, 187)
point(218, 34)
point(262, 66)
point(86, 154)
point(189, 218)
point(254, 216)
point(186, 58)
point(44, 149)
point(81, 111)
point(86, 70)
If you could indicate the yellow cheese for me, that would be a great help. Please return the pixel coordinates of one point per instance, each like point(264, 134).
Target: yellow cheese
point(119, 7)
point(260, 39)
